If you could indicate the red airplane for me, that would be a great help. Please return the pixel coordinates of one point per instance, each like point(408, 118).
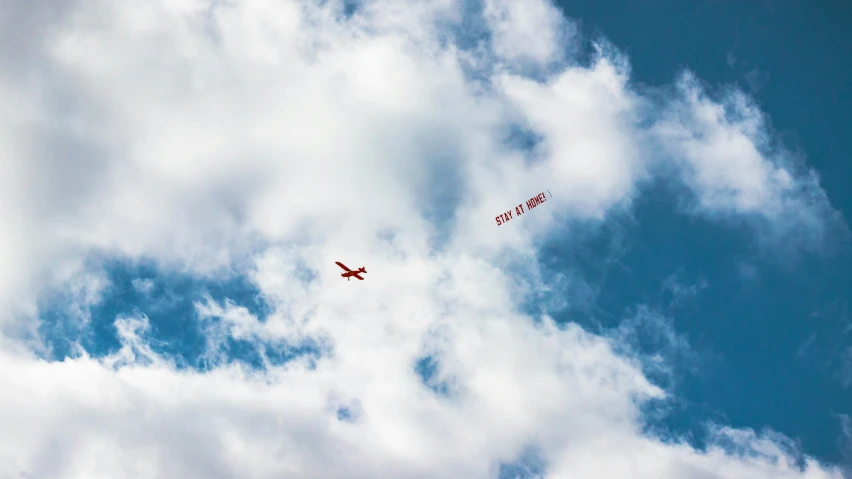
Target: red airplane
point(349, 273)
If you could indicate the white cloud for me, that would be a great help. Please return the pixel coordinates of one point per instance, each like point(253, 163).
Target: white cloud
point(586, 116)
point(143, 286)
point(532, 33)
point(722, 145)
point(726, 154)
point(271, 137)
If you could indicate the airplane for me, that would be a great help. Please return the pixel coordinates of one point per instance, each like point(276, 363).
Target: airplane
point(349, 273)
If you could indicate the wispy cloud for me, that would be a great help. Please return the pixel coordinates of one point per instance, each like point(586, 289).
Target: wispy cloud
point(143, 286)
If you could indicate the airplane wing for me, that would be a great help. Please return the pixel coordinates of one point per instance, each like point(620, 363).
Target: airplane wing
point(356, 275)
point(338, 263)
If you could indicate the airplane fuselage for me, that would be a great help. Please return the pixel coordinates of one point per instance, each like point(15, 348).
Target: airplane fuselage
point(349, 274)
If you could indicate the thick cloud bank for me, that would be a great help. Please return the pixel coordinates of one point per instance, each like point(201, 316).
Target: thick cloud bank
point(268, 139)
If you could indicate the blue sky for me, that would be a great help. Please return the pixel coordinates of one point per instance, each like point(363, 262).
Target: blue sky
point(774, 333)
point(183, 177)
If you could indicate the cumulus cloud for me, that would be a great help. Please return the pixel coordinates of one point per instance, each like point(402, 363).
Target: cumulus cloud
point(269, 139)
point(533, 34)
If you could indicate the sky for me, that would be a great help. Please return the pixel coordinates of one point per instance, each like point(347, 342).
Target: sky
point(789, 57)
point(179, 177)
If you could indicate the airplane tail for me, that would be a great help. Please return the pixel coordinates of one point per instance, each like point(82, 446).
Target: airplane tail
point(364, 269)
